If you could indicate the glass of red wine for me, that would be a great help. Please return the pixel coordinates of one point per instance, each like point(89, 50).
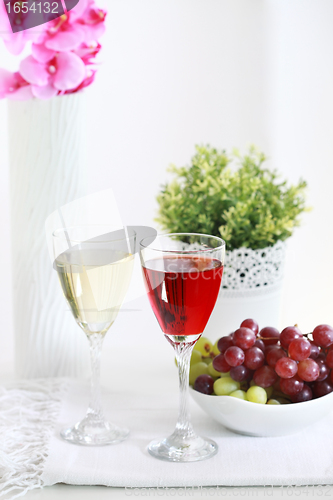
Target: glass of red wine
point(182, 274)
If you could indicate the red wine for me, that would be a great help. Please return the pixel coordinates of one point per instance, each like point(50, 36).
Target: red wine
point(182, 292)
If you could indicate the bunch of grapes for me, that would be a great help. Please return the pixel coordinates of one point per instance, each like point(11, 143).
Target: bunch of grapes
point(266, 365)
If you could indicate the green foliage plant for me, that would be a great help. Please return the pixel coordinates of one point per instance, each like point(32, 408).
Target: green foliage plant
point(231, 196)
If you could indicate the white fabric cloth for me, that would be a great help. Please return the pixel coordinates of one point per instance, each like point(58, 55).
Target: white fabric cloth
point(305, 458)
point(33, 455)
point(28, 412)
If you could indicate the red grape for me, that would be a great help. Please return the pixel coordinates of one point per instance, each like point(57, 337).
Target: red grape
point(276, 385)
point(323, 335)
point(289, 362)
point(329, 359)
point(308, 370)
point(264, 376)
point(274, 355)
point(204, 383)
point(224, 343)
point(234, 356)
point(254, 358)
point(299, 349)
point(259, 343)
point(268, 348)
point(271, 335)
point(252, 324)
point(322, 388)
point(220, 364)
point(288, 334)
point(291, 386)
point(240, 373)
point(314, 350)
point(321, 358)
point(244, 338)
point(304, 395)
point(286, 367)
point(324, 371)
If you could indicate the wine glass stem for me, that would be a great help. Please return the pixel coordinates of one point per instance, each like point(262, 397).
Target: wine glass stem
point(183, 355)
point(95, 407)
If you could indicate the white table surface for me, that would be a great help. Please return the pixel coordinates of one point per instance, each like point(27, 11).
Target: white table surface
point(136, 353)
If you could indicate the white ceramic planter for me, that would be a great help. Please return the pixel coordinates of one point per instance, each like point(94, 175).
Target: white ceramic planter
point(251, 288)
point(47, 170)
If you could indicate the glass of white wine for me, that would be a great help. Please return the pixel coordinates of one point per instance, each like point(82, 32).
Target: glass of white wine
point(94, 266)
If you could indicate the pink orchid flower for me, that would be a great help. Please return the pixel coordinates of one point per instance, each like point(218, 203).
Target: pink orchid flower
point(92, 22)
point(65, 71)
point(15, 42)
point(86, 82)
point(71, 29)
point(62, 56)
point(62, 35)
point(88, 53)
point(14, 87)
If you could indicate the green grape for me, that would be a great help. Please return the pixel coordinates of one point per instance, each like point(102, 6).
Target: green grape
point(224, 375)
point(212, 372)
point(281, 397)
point(195, 357)
point(204, 346)
point(224, 386)
point(256, 394)
point(215, 349)
point(196, 370)
point(273, 402)
point(283, 401)
point(207, 360)
point(239, 394)
point(269, 391)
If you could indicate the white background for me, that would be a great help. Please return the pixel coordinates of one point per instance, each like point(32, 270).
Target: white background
point(226, 72)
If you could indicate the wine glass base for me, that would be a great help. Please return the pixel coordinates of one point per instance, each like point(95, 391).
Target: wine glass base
point(179, 449)
point(92, 433)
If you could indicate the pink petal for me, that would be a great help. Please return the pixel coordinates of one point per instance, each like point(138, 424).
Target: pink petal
point(7, 81)
point(68, 39)
point(44, 92)
point(22, 94)
point(78, 9)
point(41, 53)
point(70, 73)
point(93, 31)
point(15, 42)
point(34, 72)
point(88, 54)
point(86, 82)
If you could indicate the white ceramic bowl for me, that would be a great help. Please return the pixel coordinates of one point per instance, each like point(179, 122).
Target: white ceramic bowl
point(255, 419)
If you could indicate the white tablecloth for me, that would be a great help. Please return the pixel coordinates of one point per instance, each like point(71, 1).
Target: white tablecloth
point(305, 458)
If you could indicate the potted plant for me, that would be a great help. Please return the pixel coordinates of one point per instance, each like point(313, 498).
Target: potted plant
point(237, 198)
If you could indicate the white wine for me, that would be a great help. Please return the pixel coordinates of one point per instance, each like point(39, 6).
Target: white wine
point(94, 282)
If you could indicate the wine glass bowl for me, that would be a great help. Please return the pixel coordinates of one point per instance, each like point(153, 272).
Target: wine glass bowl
point(182, 274)
point(94, 265)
